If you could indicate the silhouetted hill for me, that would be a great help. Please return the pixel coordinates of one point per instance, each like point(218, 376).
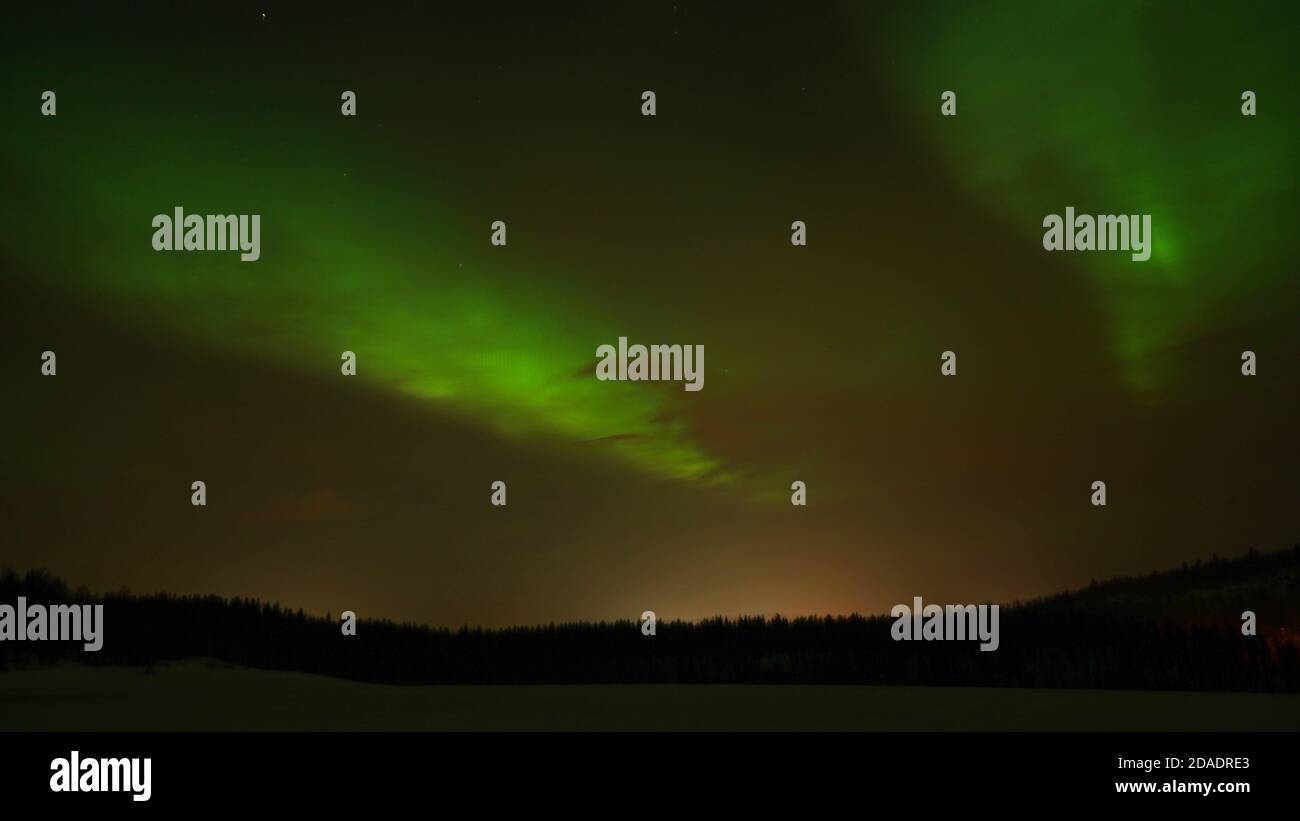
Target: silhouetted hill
point(1178, 629)
point(1192, 587)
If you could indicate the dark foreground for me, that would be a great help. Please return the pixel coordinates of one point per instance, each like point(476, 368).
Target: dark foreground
point(202, 696)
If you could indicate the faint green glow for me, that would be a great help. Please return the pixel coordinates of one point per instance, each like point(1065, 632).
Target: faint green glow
point(1121, 108)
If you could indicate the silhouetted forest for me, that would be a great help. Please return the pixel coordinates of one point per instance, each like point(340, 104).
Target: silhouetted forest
point(1177, 629)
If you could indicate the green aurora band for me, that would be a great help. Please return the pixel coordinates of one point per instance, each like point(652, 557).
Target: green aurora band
point(394, 279)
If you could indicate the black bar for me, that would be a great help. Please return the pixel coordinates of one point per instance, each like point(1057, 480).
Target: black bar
point(329, 771)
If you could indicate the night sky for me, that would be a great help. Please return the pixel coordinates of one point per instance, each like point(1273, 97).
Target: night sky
point(476, 363)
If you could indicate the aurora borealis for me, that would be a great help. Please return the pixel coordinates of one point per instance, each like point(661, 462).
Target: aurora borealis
point(475, 363)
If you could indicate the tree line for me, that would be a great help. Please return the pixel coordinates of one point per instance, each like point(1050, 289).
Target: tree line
point(1174, 630)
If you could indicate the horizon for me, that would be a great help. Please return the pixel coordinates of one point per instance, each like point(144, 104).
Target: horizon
point(331, 616)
